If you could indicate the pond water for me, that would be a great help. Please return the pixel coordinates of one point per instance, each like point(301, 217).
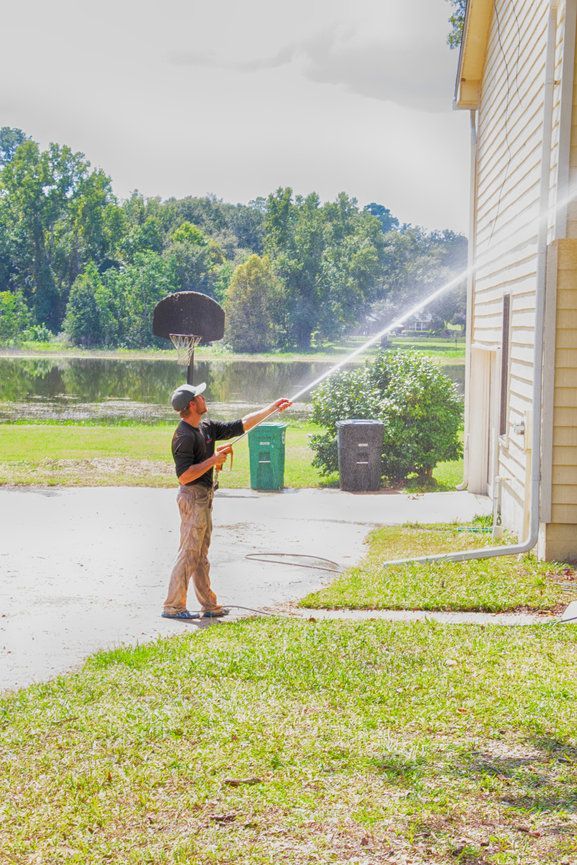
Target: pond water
point(79, 388)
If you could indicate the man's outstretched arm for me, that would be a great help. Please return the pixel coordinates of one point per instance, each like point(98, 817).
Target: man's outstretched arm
point(257, 417)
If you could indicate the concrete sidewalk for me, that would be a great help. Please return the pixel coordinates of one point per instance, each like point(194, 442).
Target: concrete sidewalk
point(87, 569)
point(446, 618)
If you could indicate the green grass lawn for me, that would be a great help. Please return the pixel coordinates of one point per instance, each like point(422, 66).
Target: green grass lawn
point(120, 455)
point(97, 454)
point(447, 349)
point(451, 350)
point(288, 743)
point(446, 477)
point(491, 585)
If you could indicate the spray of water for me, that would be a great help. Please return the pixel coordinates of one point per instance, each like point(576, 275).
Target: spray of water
point(397, 322)
point(393, 325)
point(546, 218)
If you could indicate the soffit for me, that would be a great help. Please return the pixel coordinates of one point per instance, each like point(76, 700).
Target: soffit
point(473, 53)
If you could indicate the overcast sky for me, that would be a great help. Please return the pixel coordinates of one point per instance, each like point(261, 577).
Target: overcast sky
point(238, 97)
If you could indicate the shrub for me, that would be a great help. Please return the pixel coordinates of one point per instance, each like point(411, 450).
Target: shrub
point(38, 333)
point(15, 317)
point(418, 404)
point(90, 314)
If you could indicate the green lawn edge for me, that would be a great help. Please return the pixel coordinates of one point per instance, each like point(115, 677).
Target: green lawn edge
point(493, 585)
point(445, 350)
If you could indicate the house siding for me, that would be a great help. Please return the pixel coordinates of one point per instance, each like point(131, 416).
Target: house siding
point(508, 191)
point(560, 539)
point(508, 197)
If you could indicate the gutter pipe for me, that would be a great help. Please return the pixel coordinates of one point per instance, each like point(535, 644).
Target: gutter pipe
point(470, 283)
point(537, 396)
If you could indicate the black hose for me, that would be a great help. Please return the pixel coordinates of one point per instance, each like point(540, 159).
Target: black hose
point(270, 559)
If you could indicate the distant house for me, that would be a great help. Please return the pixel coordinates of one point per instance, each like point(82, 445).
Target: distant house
point(517, 78)
point(419, 323)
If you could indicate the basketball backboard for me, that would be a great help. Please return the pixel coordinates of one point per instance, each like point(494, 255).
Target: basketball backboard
point(188, 318)
point(190, 313)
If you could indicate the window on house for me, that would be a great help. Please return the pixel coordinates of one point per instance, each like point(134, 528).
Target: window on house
point(505, 343)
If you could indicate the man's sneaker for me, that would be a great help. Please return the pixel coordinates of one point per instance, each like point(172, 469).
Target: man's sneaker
point(215, 614)
point(181, 616)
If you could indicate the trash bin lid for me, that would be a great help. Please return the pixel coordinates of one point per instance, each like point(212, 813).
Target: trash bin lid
point(354, 421)
point(273, 431)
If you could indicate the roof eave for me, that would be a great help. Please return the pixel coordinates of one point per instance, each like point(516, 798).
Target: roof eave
point(473, 53)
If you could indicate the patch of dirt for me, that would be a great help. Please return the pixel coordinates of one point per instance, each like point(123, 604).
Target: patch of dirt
point(100, 470)
point(121, 465)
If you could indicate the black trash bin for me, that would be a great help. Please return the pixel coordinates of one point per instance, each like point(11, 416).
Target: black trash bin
point(360, 444)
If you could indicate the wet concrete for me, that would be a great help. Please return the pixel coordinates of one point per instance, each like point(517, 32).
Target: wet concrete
point(86, 569)
point(569, 614)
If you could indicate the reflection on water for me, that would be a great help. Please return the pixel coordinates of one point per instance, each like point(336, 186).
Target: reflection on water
point(99, 387)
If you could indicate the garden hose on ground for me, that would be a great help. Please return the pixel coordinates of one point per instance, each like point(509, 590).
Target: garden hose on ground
point(278, 559)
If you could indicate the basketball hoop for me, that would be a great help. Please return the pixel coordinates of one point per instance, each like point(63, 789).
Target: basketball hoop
point(190, 311)
point(185, 343)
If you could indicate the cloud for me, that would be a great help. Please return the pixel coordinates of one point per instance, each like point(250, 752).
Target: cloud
point(412, 75)
point(418, 74)
point(210, 59)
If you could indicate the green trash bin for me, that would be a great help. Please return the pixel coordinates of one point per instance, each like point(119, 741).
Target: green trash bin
point(266, 444)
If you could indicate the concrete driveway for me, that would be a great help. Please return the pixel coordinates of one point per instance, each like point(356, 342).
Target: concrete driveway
point(86, 569)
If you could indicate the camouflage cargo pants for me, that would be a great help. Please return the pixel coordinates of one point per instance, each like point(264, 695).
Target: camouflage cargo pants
point(195, 506)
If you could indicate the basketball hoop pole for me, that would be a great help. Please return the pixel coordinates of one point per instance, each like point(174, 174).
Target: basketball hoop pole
point(185, 344)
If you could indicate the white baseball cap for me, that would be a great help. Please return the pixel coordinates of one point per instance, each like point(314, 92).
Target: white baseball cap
point(185, 393)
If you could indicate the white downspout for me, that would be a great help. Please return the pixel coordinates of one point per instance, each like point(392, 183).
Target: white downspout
point(470, 295)
point(537, 396)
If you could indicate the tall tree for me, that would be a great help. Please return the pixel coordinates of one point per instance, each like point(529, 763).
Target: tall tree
point(250, 302)
point(386, 219)
point(140, 286)
point(10, 140)
point(247, 223)
point(87, 313)
point(329, 258)
point(352, 264)
point(195, 259)
point(55, 207)
point(456, 20)
point(416, 264)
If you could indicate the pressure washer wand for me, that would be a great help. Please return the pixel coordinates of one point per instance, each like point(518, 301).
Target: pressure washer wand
point(244, 434)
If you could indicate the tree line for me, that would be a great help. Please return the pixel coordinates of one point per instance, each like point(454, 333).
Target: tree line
point(290, 270)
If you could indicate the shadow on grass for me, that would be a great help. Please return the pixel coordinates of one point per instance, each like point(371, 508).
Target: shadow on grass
point(411, 485)
point(504, 793)
point(427, 485)
point(536, 776)
point(542, 780)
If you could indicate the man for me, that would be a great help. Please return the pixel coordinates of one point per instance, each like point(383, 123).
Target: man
point(193, 450)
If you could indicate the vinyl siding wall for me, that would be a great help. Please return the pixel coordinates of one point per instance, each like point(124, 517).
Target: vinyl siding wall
point(508, 188)
point(562, 531)
point(559, 537)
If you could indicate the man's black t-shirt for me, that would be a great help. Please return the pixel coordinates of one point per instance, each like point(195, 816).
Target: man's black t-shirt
point(193, 445)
